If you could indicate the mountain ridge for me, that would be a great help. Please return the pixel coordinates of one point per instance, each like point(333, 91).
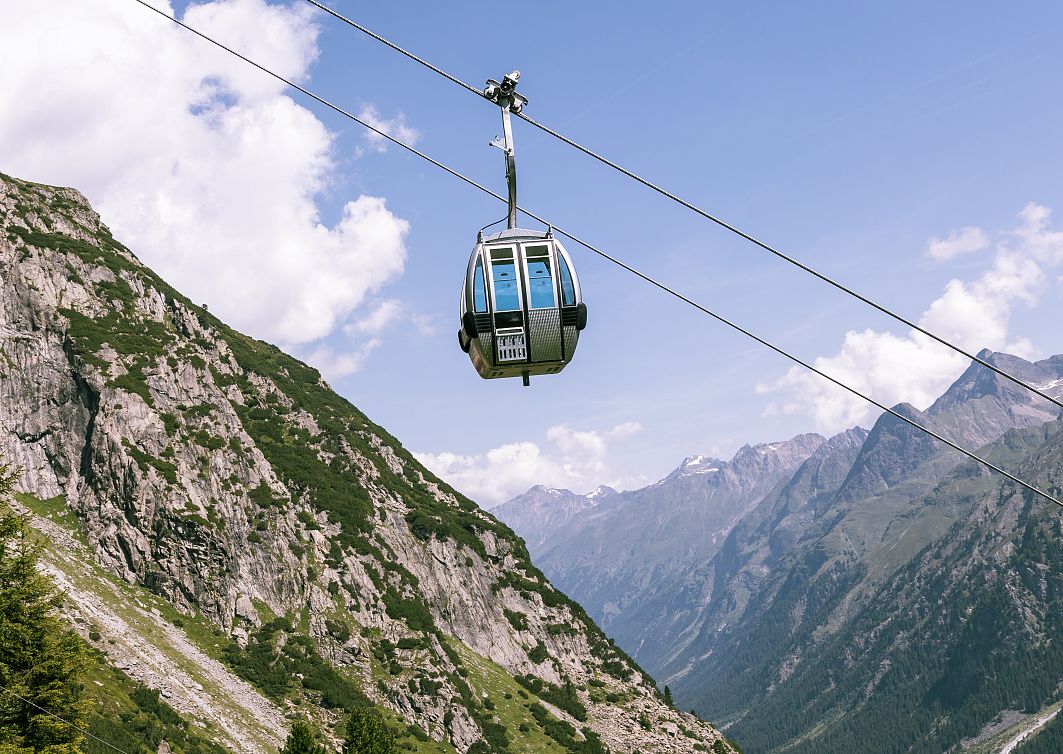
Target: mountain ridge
point(817, 554)
point(618, 558)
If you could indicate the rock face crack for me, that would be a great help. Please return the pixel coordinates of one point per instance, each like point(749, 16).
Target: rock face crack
point(90, 399)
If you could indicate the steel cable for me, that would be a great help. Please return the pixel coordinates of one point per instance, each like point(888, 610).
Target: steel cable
point(614, 260)
point(697, 210)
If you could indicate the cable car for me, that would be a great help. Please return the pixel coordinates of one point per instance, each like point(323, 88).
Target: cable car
point(521, 309)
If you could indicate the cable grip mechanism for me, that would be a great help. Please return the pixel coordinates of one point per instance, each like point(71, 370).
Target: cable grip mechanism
point(505, 94)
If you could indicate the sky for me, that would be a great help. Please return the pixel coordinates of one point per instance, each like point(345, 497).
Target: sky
point(912, 150)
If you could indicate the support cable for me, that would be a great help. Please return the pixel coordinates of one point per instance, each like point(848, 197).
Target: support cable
point(624, 265)
point(699, 211)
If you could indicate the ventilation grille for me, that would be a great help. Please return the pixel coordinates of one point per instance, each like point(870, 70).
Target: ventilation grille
point(512, 347)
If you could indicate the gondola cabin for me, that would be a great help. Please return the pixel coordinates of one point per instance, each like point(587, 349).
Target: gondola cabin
point(521, 308)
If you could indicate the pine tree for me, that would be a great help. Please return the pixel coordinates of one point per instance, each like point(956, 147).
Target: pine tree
point(668, 696)
point(41, 659)
point(367, 733)
point(302, 740)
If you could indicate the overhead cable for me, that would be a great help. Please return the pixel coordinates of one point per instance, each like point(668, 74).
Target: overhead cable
point(696, 209)
point(624, 265)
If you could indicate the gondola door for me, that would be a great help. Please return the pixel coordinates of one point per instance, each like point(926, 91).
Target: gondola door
point(507, 296)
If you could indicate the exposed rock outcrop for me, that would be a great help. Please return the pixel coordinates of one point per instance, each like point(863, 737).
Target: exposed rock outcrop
point(231, 480)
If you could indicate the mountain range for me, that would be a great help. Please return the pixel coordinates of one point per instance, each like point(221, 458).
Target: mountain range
point(248, 546)
point(799, 592)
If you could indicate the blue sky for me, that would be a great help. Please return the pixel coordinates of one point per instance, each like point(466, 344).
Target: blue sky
point(849, 136)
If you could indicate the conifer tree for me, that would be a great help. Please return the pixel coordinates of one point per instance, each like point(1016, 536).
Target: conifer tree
point(668, 696)
point(41, 659)
point(367, 733)
point(302, 740)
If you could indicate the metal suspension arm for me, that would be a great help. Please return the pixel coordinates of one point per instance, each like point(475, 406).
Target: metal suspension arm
point(511, 167)
point(505, 95)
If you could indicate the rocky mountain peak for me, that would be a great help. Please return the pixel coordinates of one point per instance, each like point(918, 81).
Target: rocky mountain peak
point(697, 464)
point(601, 491)
point(750, 459)
point(977, 382)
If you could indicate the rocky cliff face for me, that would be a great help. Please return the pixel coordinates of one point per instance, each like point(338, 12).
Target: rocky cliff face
point(228, 478)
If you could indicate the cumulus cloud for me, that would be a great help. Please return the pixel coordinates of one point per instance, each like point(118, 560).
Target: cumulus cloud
point(384, 314)
point(963, 241)
point(396, 127)
point(335, 364)
point(199, 162)
point(913, 368)
point(378, 320)
point(573, 459)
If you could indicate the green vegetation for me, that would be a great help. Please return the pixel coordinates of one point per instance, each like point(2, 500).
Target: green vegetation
point(46, 666)
point(538, 653)
point(132, 717)
point(41, 659)
point(367, 733)
point(140, 339)
point(519, 621)
point(563, 697)
point(280, 668)
point(565, 734)
point(145, 461)
point(302, 740)
point(54, 509)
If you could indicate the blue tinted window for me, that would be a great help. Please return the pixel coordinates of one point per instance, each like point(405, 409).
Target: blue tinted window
point(479, 291)
point(540, 278)
point(507, 287)
point(568, 290)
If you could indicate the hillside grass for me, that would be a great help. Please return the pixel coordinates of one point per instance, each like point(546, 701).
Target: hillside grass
point(54, 509)
point(511, 702)
point(128, 715)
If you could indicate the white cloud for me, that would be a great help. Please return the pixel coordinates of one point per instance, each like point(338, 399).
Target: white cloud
point(913, 368)
point(334, 364)
point(395, 127)
point(623, 431)
point(202, 164)
point(574, 459)
point(963, 241)
point(382, 315)
point(426, 324)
